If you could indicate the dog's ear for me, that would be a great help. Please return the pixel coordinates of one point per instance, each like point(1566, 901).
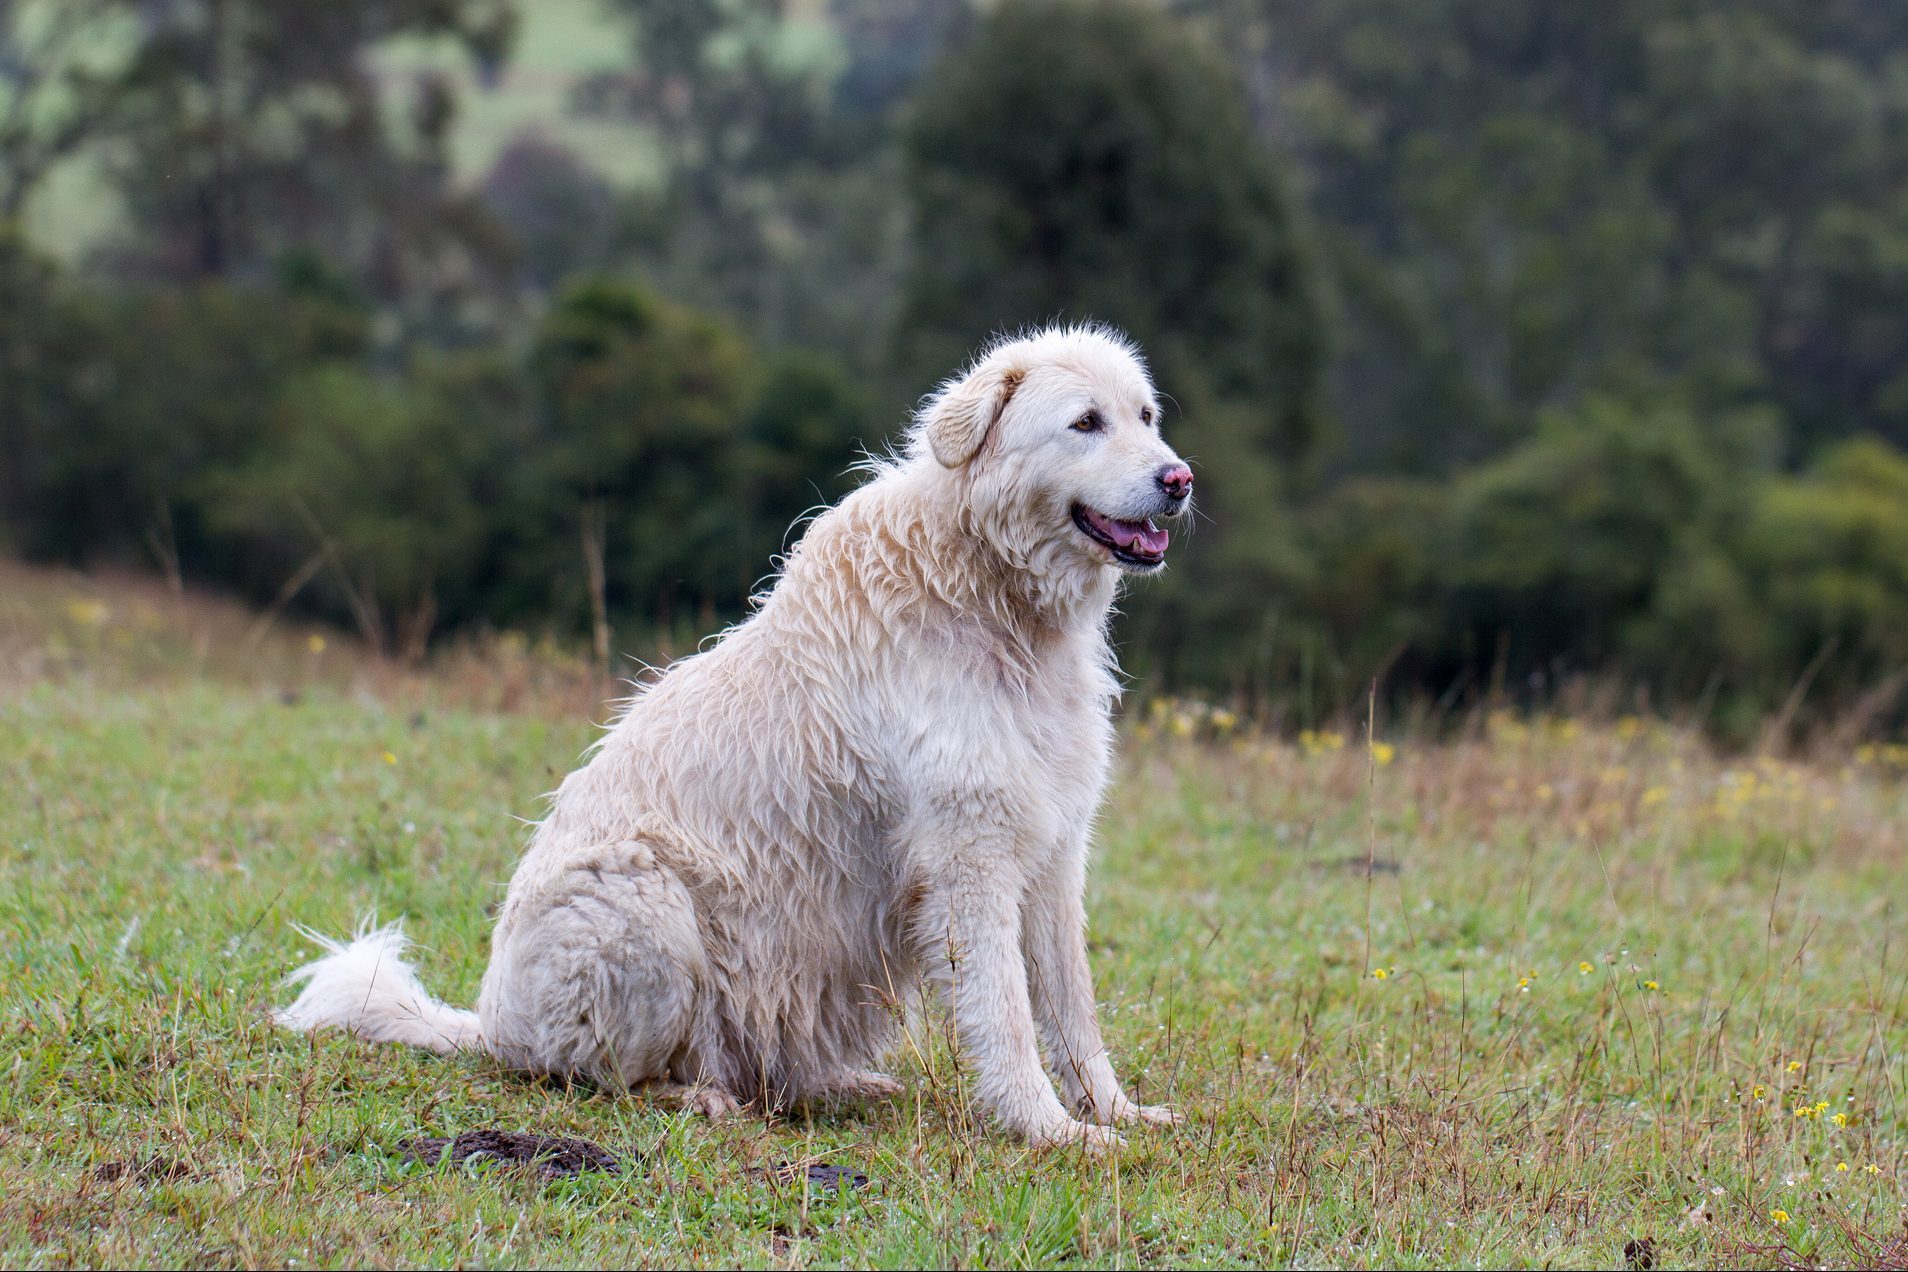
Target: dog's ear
point(956, 422)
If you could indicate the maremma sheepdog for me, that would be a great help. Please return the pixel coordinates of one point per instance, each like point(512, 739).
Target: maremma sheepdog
point(888, 775)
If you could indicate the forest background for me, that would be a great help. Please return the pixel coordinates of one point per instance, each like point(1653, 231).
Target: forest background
point(1520, 346)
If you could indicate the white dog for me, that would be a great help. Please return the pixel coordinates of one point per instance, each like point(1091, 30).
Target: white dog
point(889, 772)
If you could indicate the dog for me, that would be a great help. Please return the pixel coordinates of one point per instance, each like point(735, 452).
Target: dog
point(885, 778)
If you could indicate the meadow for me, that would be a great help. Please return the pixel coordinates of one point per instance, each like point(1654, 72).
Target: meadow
point(1566, 991)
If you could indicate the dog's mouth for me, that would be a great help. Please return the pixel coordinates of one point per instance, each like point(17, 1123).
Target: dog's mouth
point(1138, 545)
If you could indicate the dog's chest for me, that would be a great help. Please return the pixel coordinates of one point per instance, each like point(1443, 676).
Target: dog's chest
point(1037, 723)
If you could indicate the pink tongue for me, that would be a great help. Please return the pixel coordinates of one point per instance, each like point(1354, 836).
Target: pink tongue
point(1137, 534)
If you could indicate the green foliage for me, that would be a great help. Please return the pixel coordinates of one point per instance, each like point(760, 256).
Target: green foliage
point(135, 398)
point(1830, 551)
point(1561, 540)
point(642, 405)
point(800, 434)
point(1078, 159)
point(1533, 202)
point(250, 436)
point(1608, 295)
point(387, 480)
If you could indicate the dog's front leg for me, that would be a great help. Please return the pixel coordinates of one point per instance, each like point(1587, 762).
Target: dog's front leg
point(1054, 940)
point(969, 924)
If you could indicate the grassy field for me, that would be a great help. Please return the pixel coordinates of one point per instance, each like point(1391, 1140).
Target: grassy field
point(1529, 995)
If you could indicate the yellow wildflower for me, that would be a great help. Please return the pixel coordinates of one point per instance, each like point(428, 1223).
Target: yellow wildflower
point(1383, 753)
point(1840, 1119)
point(1780, 1216)
point(1584, 969)
point(1795, 1066)
point(315, 643)
point(1651, 985)
point(1841, 1168)
point(390, 758)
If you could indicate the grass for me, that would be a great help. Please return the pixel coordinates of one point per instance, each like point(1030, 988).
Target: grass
point(1614, 967)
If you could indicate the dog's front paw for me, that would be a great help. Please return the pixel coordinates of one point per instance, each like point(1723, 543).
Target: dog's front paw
point(712, 1102)
point(1071, 1134)
point(1150, 1114)
point(1121, 1109)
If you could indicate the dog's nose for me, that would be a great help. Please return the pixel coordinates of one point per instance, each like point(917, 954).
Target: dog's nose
point(1176, 480)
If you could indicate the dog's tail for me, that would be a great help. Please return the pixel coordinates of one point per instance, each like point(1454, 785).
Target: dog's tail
point(367, 987)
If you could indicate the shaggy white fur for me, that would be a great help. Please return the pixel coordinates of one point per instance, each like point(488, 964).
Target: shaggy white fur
point(888, 774)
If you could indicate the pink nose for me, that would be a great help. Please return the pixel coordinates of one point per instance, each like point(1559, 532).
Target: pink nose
point(1176, 480)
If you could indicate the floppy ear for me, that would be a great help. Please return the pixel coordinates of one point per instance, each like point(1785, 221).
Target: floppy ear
point(957, 420)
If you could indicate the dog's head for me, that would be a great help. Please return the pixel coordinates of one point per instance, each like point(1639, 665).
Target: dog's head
point(1055, 437)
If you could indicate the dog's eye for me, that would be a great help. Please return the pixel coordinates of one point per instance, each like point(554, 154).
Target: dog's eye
point(1088, 423)
point(1146, 415)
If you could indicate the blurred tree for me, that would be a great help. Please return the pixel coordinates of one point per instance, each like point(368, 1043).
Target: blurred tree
point(1079, 159)
point(1829, 553)
point(30, 418)
point(641, 404)
point(1560, 546)
point(139, 397)
point(256, 127)
point(563, 217)
point(801, 435)
point(1536, 202)
point(776, 206)
point(383, 482)
point(59, 84)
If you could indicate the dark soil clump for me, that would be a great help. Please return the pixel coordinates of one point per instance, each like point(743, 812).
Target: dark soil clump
point(551, 1156)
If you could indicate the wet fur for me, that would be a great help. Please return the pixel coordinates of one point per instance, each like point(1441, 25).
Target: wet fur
point(885, 777)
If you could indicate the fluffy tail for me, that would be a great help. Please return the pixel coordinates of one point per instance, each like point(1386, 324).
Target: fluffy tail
point(368, 988)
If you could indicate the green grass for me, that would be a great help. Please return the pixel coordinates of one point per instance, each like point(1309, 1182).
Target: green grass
point(160, 832)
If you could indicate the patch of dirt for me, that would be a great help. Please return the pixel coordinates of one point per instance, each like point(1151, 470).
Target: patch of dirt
point(157, 1169)
point(551, 1156)
point(820, 1175)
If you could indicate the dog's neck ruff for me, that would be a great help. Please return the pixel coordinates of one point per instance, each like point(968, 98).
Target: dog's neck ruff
point(1025, 575)
point(920, 555)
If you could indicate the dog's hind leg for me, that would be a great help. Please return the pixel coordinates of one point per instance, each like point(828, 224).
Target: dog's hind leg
point(598, 970)
point(851, 1085)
